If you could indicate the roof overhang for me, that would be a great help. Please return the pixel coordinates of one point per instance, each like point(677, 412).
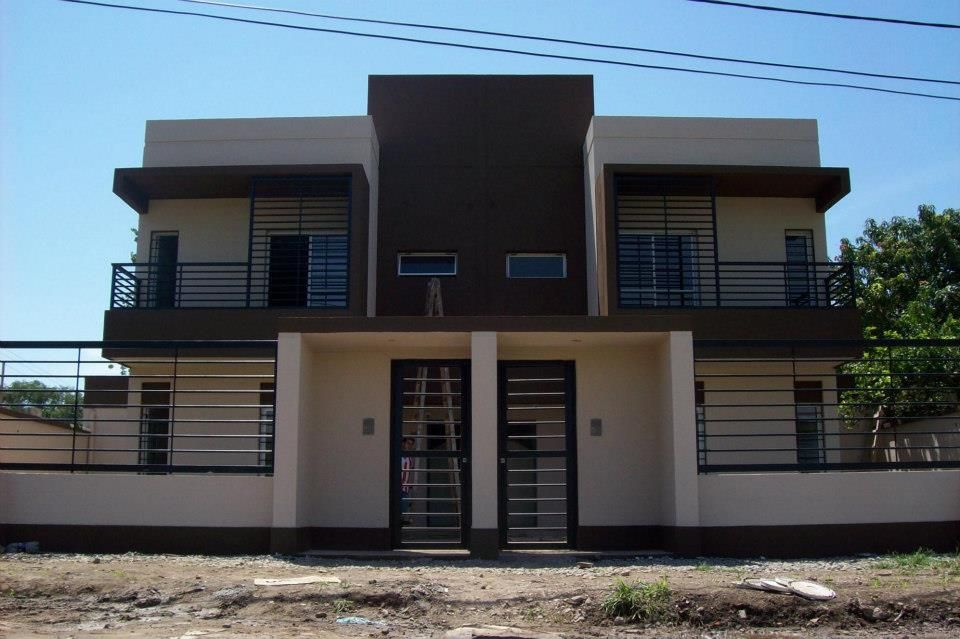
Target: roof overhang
point(825, 185)
point(137, 186)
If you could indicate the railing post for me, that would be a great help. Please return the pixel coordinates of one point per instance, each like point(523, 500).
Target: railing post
point(113, 288)
point(179, 284)
point(76, 417)
point(173, 409)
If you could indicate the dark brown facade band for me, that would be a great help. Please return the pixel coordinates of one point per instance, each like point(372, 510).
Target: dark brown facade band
point(491, 165)
point(185, 540)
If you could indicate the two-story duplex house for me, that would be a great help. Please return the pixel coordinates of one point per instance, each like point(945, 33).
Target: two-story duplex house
point(501, 321)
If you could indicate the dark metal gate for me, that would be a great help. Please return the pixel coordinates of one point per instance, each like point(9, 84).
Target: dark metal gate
point(537, 451)
point(430, 454)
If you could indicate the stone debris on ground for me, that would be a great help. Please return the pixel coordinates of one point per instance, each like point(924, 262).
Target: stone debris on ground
point(297, 581)
point(133, 595)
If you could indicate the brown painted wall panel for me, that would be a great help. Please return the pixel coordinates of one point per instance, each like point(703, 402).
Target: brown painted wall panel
point(482, 166)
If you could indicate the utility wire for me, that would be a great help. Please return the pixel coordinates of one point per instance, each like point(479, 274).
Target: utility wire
point(581, 43)
point(552, 56)
point(845, 16)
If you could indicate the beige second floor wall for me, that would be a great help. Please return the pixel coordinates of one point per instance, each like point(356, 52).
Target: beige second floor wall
point(748, 229)
point(210, 230)
point(752, 229)
point(252, 141)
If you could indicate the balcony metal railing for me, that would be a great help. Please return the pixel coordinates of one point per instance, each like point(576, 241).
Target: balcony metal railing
point(142, 407)
point(738, 285)
point(764, 406)
point(228, 285)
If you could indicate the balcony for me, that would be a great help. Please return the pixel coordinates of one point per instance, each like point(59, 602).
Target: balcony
point(687, 283)
point(205, 285)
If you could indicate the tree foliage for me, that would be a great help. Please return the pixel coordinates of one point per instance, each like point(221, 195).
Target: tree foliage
point(54, 402)
point(908, 273)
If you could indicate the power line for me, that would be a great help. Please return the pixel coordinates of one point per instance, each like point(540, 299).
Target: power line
point(535, 54)
point(845, 16)
point(581, 43)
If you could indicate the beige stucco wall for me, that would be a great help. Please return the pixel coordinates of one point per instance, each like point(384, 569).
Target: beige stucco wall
point(752, 229)
point(664, 140)
point(344, 475)
point(210, 230)
point(924, 440)
point(747, 405)
point(247, 141)
point(17, 432)
point(618, 473)
point(704, 141)
point(134, 500)
point(829, 498)
point(253, 141)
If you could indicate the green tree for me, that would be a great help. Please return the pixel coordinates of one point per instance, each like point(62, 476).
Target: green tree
point(908, 274)
point(908, 287)
point(54, 402)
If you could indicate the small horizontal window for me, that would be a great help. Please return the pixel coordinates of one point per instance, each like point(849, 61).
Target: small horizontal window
point(427, 264)
point(539, 265)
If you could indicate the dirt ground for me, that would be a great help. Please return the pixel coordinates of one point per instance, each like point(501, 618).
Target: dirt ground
point(173, 596)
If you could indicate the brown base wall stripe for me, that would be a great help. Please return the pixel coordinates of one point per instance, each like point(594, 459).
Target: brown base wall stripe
point(180, 540)
point(822, 540)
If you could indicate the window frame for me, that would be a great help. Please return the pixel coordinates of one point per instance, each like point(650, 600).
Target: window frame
point(403, 254)
point(808, 410)
point(561, 255)
point(688, 296)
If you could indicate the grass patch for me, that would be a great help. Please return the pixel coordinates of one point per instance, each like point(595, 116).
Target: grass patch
point(341, 606)
point(703, 567)
point(922, 559)
point(639, 601)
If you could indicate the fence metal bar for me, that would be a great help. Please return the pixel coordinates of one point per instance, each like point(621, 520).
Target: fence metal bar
point(897, 397)
point(211, 423)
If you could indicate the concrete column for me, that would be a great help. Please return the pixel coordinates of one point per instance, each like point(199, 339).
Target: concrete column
point(284, 535)
point(484, 535)
point(685, 537)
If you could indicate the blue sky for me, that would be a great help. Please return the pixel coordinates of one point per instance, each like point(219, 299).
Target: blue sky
point(77, 84)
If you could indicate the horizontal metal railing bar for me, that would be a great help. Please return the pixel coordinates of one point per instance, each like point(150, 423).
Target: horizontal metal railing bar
point(862, 466)
point(433, 393)
point(793, 449)
point(886, 431)
point(520, 454)
point(536, 394)
point(142, 468)
point(95, 435)
point(138, 344)
point(906, 402)
point(719, 420)
point(866, 343)
point(825, 389)
point(81, 449)
point(537, 485)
